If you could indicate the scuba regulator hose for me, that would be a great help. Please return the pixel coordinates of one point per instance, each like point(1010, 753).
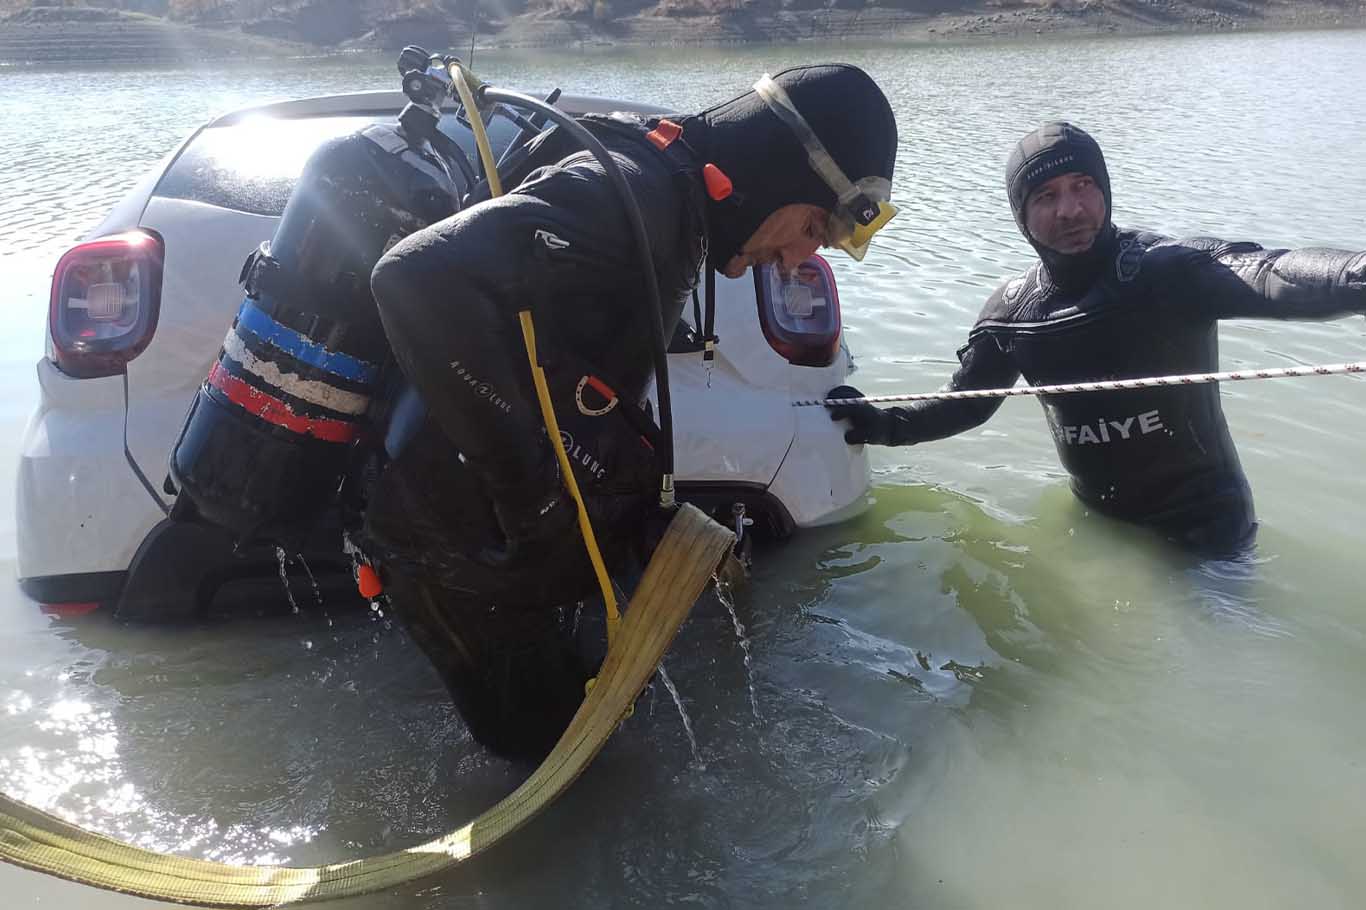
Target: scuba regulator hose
point(466, 86)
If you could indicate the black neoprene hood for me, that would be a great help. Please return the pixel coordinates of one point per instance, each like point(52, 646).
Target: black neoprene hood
point(1050, 151)
point(767, 163)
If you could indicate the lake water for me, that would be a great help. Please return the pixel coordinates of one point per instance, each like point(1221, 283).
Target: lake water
point(975, 695)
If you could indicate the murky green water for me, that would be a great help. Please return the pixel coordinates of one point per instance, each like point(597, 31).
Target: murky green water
point(977, 695)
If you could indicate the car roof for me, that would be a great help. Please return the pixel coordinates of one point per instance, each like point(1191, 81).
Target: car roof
point(127, 212)
point(381, 102)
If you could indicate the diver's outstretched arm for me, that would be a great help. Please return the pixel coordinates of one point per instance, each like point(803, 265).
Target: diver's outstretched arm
point(983, 365)
point(1244, 281)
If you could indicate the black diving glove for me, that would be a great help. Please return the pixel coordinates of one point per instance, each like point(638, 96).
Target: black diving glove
point(868, 423)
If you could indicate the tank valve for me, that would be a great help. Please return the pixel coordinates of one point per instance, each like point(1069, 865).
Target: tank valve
point(743, 542)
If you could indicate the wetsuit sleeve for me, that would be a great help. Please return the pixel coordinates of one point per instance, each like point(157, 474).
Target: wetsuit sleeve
point(449, 296)
point(1244, 281)
point(982, 365)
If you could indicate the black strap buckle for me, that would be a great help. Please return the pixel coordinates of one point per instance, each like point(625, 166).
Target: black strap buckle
point(257, 271)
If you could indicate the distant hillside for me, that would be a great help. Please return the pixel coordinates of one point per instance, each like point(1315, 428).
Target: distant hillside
point(30, 28)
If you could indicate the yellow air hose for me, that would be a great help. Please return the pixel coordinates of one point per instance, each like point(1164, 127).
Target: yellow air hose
point(693, 547)
point(462, 79)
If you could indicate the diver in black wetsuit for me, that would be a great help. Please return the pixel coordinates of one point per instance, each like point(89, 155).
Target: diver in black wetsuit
point(1105, 303)
point(470, 523)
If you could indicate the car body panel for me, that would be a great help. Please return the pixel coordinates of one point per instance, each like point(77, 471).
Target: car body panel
point(200, 296)
point(822, 480)
point(732, 422)
point(725, 429)
point(80, 508)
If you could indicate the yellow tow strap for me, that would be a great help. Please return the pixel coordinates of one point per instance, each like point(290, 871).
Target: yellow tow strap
point(692, 548)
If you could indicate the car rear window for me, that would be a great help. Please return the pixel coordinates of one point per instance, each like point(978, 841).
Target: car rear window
point(251, 165)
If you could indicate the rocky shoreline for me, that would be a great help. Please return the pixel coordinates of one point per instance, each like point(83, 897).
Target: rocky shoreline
point(1085, 18)
point(109, 37)
point(61, 36)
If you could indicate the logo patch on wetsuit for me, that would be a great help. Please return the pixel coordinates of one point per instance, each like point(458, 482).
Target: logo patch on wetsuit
point(1106, 430)
point(1047, 165)
point(581, 456)
point(1129, 260)
point(480, 388)
point(1016, 286)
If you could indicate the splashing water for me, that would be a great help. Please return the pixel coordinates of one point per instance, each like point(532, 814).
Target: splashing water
point(723, 594)
point(683, 713)
point(284, 577)
point(317, 592)
point(351, 550)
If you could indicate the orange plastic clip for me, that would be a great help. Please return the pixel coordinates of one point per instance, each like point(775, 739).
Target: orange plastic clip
point(718, 184)
point(663, 135)
point(367, 580)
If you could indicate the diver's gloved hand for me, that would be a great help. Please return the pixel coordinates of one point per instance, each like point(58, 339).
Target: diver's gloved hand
point(532, 525)
point(868, 423)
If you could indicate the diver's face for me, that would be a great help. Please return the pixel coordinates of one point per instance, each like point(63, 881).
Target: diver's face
point(787, 238)
point(1066, 213)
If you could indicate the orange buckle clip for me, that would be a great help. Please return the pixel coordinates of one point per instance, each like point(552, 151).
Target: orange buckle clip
point(718, 184)
point(663, 135)
point(368, 583)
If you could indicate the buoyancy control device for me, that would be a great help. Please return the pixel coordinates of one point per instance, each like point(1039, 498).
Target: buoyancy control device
point(271, 432)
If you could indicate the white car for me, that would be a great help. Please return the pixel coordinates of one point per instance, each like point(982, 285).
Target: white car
point(122, 368)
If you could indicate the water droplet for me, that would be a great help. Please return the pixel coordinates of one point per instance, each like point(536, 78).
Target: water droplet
point(284, 577)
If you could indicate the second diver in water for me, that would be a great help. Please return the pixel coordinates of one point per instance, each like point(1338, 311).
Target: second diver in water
point(1102, 303)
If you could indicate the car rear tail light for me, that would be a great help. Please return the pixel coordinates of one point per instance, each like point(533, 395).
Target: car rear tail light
point(800, 312)
point(106, 294)
point(69, 610)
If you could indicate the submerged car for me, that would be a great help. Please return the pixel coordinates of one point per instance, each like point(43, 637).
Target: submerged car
point(138, 313)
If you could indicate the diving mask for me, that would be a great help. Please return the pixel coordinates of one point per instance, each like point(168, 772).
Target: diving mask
point(862, 208)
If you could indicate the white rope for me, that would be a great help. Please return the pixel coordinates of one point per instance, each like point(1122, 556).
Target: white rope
point(1109, 385)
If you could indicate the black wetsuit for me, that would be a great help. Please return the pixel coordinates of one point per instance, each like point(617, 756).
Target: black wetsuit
point(1162, 457)
point(559, 244)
